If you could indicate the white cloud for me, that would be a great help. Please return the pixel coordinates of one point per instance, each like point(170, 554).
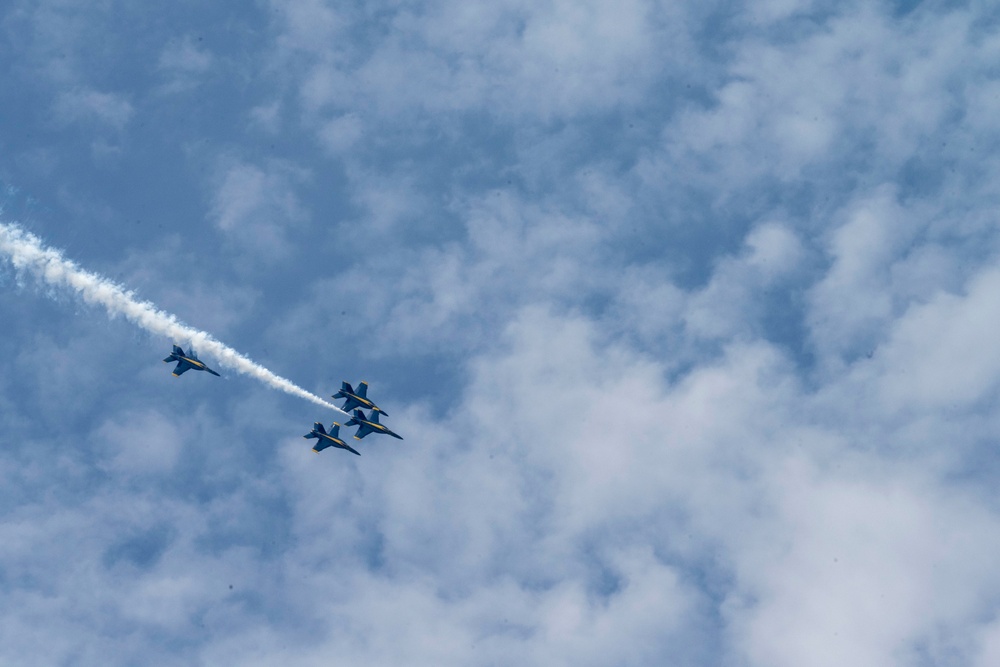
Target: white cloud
point(184, 64)
point(858, 91)
point(185, 56)
point(872, 570)
point(267, 116)
point(310, 26)
point(254, 204)
point(943, 353)
point(138, 443)
point(88, 105)
point(541, 62)
point(731, 305)
point(854, 301)
point(342, 133)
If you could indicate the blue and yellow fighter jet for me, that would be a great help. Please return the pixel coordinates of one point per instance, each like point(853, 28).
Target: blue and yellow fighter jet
point(366, 426)
point(186, 362)
point(330, 439)
point(357, 399)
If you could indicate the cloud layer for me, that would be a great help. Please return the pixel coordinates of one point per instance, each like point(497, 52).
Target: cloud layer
point(685, 314)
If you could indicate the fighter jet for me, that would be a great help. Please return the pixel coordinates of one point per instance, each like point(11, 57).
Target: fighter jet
point(357, 399)
point(366, 426)
point(330, 439)
point(186, 362)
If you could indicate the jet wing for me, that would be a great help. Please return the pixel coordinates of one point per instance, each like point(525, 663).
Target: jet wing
point(320, 446)
point(363, 430)
point(182, 367)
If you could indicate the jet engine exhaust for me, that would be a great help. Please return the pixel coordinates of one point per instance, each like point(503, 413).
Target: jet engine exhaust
point(29, 255)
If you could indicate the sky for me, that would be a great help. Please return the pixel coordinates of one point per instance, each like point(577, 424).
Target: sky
point(686, 311)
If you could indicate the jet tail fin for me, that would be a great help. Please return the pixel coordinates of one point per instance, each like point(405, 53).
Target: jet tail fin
point(317, 429)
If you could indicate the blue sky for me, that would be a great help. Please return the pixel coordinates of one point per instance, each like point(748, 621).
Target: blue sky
point(686, 311)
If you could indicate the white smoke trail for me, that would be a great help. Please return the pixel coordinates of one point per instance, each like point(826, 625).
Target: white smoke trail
point(27, 253)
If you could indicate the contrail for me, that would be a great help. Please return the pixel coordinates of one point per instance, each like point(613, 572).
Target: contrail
point(28, 253)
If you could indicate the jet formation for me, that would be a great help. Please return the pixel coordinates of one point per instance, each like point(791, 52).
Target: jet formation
point(356, 400)
point(366, 425)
